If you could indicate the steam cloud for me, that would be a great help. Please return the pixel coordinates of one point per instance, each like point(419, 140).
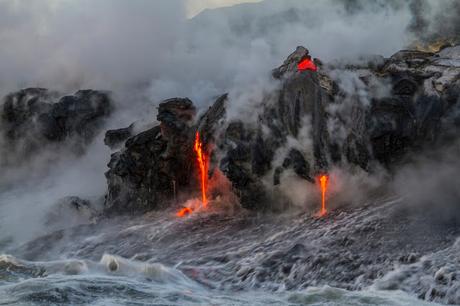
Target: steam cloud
point(119, 45)
point(148, 50)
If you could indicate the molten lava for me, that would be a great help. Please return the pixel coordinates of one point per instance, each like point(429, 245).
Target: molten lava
point(323, 180)
point(202, 160)
point(184, 212)
point(307, 64)
point(203, 167)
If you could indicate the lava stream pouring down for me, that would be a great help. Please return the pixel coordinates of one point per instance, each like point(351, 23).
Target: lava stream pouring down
point(202, 163)
point(203, 169)
point(323, 180)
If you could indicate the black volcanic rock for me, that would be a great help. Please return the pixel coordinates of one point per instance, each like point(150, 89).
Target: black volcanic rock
point(115, 138)
point(33, 118)
point(413, 116)
point(21, 108)
point(250, 151)
point(297, 162)
point(290, 64)
point(302, 97)
point(212, 119)
point(417, 106)
point(247, 158)
point(145, 174)
point(156, 166)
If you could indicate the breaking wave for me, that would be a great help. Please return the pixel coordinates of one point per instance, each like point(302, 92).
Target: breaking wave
point(118, 281)
point(235, 258)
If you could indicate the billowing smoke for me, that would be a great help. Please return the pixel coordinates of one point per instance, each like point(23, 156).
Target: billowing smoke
point(112, 44)
point(430, 183)
point(435, 20)
point(74, 44)
point(119, 45)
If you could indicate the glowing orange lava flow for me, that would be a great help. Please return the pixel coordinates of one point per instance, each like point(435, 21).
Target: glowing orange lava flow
point(323, 182)
point(307, 64)
point(183, 212)
point(202, 163)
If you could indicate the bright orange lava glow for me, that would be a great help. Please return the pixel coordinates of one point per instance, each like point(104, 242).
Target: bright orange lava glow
point(323, 180)
point(203, 166)
point(307, 64)
point(184, 212)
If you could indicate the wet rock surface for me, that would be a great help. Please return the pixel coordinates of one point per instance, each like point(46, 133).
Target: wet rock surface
point(156, 166)
point(419, 108)
point(250, 151)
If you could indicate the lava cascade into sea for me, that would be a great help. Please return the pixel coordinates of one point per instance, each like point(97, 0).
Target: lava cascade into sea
point(323, 181)
point(202, 160)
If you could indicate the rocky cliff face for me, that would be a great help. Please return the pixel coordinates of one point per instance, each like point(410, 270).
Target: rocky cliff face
point(366, 115)
point(144, 174)
point(418, 111)
point(345, 128)
point(156, 167)
point(250, 150)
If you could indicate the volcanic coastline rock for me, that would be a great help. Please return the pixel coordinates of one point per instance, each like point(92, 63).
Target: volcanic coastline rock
point(144, 174)
point(420, 109)
point(250, 151)
point(33, 118)
point(157, 163)
point(156, 166)
point(116, 138)
point(416, 113)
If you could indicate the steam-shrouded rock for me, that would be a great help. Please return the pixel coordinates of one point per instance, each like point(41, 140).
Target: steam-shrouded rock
point(413, 115)
point(364, 116)
point(116, 138)
point(250, 150)
point(145, 174)
point(34, 118)
point(156, 166)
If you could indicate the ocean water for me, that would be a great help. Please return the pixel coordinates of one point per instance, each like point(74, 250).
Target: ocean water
point(221, 256)
point(117, 281)
point(228, 257)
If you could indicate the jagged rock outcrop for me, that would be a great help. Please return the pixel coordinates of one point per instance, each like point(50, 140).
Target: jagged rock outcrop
point(403, 103)
point(116, 138)
point(250, 151)
point(33, 118)
point(155, 163)
point(416, 113)
point(295, 161)
point(157, 166)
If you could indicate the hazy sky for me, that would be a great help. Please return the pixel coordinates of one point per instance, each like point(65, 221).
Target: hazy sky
point(112, 44)
point(196, 6)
